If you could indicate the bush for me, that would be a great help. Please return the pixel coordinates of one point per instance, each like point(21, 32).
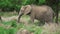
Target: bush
point(16, 4)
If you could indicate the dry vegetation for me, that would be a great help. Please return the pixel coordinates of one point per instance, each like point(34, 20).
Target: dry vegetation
point(53, 28)
point(24, 31)
point(27, 28)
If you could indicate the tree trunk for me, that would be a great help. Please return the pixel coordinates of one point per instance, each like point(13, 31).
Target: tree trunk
point(57, 10)
point(51, 3)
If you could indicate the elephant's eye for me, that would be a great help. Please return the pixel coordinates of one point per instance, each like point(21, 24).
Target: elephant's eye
point(22, 10)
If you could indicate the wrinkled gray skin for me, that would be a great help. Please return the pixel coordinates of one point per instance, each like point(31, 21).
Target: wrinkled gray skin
point(42, 13)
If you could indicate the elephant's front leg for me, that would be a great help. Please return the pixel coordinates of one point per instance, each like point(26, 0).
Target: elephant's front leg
point(32, 17)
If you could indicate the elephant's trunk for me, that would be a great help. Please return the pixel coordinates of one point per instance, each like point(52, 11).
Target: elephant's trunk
point(19, 17)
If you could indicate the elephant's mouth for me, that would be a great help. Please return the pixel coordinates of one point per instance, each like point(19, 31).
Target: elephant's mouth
point(29, 13)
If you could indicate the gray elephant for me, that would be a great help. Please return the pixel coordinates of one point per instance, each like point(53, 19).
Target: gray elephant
point(42, 13)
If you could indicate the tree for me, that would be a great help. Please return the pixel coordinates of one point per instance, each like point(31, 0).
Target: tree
point(57, 10)
point(54, 3)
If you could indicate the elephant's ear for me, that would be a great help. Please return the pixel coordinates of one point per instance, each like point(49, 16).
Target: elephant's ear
point(27, 9)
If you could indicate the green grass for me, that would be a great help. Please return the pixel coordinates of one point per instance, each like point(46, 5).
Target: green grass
point(7, 31)
point(15, 27)
point(7, 14)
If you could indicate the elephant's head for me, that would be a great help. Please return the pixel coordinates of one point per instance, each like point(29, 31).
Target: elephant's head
point(24, 11)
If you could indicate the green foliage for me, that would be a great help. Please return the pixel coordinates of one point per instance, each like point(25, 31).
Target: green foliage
point(7, 31)
point(16, 4)
point(15, 27)
point(42, 1)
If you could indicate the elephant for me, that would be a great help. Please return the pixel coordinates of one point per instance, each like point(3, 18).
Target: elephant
point(42, 13)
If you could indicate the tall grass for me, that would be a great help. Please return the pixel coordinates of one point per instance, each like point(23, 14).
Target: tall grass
point(14, 27)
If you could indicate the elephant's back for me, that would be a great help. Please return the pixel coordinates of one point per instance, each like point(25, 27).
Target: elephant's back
point(39, 8)
point(42, 12)
point(42, 9)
